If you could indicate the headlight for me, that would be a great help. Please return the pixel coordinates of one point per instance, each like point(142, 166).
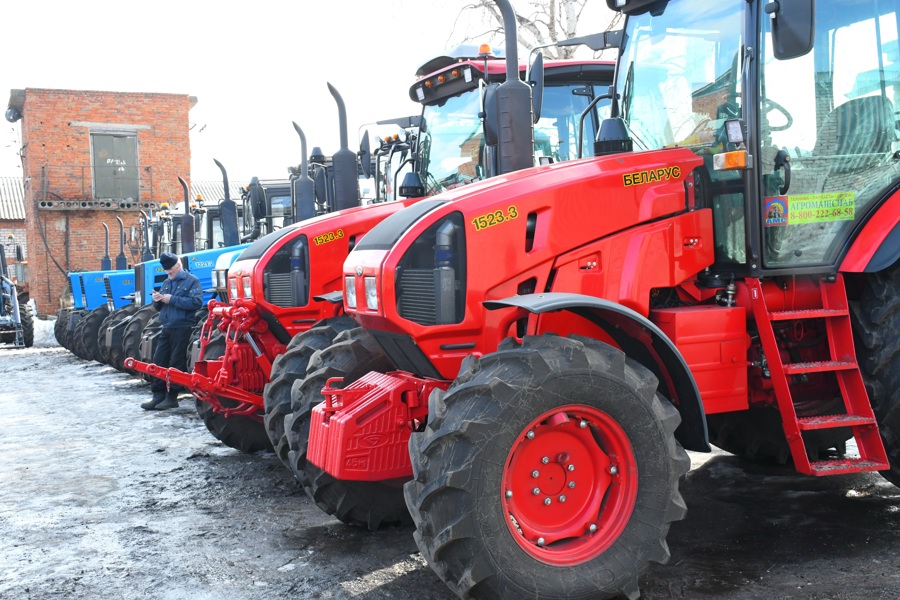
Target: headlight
point(247, 290)
point(221, 278)
point(233, 288)
point(371, 294)
point(350, 291)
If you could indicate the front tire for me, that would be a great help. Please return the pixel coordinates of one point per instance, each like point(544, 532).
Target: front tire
point(288, 368)
point(496, 511)
point(367, 504)
point(241, 433)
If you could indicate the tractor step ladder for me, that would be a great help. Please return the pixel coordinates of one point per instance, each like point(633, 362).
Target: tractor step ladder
point(858, 410)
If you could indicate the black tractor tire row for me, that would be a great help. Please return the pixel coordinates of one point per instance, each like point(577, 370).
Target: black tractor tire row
point(290, 367)
point(363, 503)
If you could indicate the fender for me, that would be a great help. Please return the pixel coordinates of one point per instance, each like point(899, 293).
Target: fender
point(641, 340)
point(877, 245)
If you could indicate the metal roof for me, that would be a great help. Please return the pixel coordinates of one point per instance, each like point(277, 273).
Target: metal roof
point(12, 199)
point(213, 191)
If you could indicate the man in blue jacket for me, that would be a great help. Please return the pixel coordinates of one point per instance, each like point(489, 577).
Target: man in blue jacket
point(180, 296)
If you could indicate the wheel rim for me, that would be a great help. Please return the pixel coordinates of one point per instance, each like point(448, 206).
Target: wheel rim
point(569, 485)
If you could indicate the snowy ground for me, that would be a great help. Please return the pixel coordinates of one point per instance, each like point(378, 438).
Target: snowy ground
point(100, 499)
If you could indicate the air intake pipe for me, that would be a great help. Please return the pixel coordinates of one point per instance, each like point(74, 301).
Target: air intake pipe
point(227, 212)
point(346, 175)
point(303, 190)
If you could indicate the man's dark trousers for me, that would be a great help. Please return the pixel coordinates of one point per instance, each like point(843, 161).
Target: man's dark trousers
point(171, 351)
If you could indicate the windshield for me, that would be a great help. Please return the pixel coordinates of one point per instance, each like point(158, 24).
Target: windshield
point(281, 208)
point(452, 144)
point(679, 78)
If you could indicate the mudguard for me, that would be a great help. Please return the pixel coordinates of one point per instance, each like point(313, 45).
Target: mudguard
point(877, 245)
point(641, 340)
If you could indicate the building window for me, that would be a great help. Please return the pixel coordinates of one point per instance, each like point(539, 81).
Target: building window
point(115, 165)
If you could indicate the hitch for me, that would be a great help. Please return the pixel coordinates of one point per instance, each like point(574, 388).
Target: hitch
point(204, 388)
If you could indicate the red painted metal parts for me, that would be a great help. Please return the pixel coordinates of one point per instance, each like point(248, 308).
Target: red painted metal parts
point(569, 485)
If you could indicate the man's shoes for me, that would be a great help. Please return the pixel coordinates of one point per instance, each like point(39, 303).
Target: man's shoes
point(154, 403)
point(167, 404)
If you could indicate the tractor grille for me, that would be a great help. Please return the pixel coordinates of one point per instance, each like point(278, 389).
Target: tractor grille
point(278, 289)
point(417, 296)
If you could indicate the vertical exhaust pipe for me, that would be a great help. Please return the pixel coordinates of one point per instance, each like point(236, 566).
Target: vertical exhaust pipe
point(121, 261)
point(346, 185)
point(105, 262)
point(187, 221)
point(303, 190)
point(227, 212)
point(514, 111)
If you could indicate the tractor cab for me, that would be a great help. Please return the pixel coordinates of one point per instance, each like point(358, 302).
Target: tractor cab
point(454, 89)
point(793, 108)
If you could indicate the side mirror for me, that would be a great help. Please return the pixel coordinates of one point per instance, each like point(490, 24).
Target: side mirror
point(20, 257)
point(365, 155)
point(491, 130)
point(793, 27)
point(536, 81)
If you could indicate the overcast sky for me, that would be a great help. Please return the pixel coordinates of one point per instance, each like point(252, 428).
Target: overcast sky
point(254, 67)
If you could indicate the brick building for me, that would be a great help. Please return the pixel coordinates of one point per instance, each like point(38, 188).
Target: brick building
point(90, 157)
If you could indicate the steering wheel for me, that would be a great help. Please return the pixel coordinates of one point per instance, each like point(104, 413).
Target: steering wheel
point(768, 106)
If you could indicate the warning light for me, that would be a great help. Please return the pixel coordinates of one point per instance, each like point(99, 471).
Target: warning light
point(730, 161)
point(485, 51)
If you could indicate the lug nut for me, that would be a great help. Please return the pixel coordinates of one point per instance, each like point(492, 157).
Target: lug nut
point(545, 460)
point(583, 424)
point(562, 498)
point(536, 491)
point(535, 474)
point(530, 435)
point(613, 470)
point(571, 484)
point(571, 467)
point(541, 541)
point(593, 528)
point(547, 501)
point(509, 493)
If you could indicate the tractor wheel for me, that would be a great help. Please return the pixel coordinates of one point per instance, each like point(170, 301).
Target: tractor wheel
point(27, 324)
point(77, 339)
point(363, 503)
point(151, 329)
point(131, 341)
point(876, 323)
point(241, 433)
point(547, 470)
point(69, 331)
point(59, 327)
point(200, 319)
point(291, 366)
point(109, 353)
point(90, 333)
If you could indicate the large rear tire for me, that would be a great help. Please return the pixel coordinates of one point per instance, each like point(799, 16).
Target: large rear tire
point(241, 433)
point(110, 354)
point(291, 366)
point(59, 327)
point(547, 470)
point(876, 324)
point(27, 320)
point(362, 503)
point(131, 339)
point(90, 333)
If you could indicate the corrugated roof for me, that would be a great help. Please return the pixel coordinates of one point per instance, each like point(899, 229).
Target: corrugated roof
point(12, 199)
point(213, 191)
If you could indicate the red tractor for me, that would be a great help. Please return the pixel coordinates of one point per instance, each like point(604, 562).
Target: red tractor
point(538, 350)
point(256, 345)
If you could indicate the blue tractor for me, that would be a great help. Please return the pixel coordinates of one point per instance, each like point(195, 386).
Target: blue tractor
point(16, 321)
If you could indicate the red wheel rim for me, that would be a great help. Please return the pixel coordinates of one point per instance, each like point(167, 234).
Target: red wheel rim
point(569, 485)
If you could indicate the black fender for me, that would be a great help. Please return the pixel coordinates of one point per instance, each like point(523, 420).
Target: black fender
point(336, 297)
point(642, 341)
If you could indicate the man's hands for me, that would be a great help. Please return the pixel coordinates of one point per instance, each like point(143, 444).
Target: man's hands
point(164, 298)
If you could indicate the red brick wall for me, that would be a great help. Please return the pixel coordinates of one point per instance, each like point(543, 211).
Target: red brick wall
point(54, 136)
